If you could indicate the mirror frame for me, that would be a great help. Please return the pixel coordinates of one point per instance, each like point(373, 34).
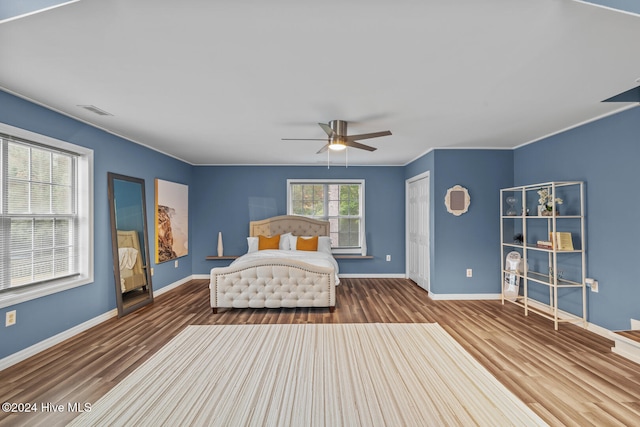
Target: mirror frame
point(456, 195)
point(122, 308)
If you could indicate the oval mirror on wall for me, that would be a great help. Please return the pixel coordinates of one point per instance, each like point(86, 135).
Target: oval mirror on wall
point(130, 242)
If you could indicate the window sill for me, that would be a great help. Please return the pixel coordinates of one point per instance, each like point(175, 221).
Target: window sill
point(346, 256)
point(17, 296)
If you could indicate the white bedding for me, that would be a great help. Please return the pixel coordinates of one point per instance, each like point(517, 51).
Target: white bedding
point(321, 259)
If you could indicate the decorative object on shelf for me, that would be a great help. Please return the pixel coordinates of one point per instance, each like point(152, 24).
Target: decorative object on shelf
point(220, 246)
point(552, 272)
point(561, 240)
point(547, 201)
point(457, 200)
point(544, 244)
point(511, 285)
point(511, 201)
point(518, 238)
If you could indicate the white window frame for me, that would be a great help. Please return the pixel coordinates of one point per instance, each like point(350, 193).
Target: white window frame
point(85, 214)
point(361, 182)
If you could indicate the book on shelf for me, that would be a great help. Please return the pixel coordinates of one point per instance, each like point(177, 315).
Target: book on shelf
point(544, 244)
point(561, 240)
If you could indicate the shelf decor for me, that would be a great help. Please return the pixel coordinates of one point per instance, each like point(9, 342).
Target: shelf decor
point(554, 247)
point(511, 201)
point(220, 245)
point(547, 202)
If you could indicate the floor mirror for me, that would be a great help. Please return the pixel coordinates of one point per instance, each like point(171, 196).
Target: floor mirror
point(129, 242)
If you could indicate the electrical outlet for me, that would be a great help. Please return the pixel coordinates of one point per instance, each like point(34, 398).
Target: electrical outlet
point(175, 264)
point(469, 272)
point(10, 318)
point(152, 271)
point(388, 257)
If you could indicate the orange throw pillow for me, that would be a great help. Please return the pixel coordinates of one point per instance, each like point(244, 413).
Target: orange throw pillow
point(310, 244)
point(265, 242)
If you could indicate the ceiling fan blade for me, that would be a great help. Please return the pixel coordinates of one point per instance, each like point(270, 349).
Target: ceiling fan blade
point(367, 135)
point(358, 145)
point(323, 149)
point(327, 129)
point(304, 139)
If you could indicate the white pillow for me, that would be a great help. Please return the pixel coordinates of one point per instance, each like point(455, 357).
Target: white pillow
point(252, 242)
point(324, 244)
point(285, 241)
point(292, 242)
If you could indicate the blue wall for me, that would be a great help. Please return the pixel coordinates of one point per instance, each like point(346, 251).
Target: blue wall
point(228, 195)
point(45, 317)
point(632, 6)
point(604, 154)
point(471, 240)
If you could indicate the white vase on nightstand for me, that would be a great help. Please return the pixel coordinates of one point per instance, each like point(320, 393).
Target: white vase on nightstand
point(220, 247)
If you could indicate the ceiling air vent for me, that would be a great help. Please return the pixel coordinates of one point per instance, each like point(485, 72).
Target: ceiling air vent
point(95, 110)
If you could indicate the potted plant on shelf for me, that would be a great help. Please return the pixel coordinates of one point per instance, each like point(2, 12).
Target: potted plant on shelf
point(547, 201)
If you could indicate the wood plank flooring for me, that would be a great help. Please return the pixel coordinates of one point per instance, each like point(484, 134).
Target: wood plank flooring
point(568, 377)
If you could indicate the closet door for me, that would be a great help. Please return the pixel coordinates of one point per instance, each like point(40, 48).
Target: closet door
point(418, 230)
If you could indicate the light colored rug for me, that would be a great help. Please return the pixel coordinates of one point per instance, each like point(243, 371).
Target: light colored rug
point(311, 375)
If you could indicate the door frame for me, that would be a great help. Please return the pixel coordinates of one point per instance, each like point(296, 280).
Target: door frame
point(409, 181)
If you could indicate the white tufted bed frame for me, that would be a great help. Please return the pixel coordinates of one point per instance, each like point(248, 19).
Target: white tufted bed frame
point(275, 282)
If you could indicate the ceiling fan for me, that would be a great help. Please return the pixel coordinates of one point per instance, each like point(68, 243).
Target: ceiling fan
point(337, 138)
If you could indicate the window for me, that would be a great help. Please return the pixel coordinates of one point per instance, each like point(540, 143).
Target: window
point(341, 202)
point(46, 223)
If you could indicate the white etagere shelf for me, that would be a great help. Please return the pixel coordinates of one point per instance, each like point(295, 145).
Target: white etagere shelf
point(520, 218)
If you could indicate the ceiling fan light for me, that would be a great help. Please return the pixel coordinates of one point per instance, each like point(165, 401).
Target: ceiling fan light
point(337, 146)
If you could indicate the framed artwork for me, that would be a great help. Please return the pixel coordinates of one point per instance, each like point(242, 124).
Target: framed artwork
point(457, 200)
point(172, 220)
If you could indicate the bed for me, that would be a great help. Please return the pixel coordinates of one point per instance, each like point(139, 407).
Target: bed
point(282, 277)
point(132, 273)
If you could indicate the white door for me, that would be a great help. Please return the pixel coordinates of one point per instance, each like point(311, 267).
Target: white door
point(418, 229)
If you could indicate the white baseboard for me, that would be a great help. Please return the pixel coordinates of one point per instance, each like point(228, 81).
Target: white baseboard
point(56, 339)
point(606, 333)
point(464, 296)
point(173, 285)
point(562, 314)
point(622, 351)
point(603, 332)
point(64, 335)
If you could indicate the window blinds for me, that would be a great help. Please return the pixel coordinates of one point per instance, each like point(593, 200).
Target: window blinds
point(38, 215)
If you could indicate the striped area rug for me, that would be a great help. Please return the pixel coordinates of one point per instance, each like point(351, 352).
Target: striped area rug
point(311, 375)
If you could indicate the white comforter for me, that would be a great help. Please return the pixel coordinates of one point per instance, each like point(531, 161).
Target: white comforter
point(321, 259)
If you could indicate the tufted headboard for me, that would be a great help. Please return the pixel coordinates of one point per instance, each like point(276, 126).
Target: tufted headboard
point(296, 225)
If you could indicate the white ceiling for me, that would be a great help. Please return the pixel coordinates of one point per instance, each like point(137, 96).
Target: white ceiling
point(213, 82)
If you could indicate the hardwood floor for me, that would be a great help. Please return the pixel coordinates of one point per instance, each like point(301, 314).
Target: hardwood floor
point(568, 377)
